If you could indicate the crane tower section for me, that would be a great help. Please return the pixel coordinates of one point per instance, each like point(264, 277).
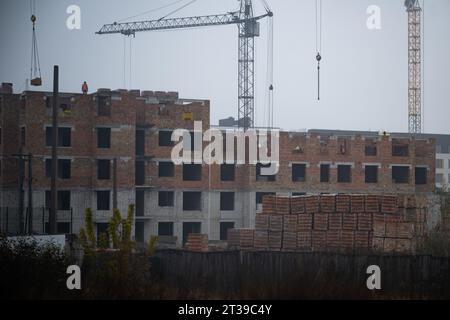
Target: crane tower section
point(414, 66)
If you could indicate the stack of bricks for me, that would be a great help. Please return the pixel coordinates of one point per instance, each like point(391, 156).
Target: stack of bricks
point(197, 242)
point(276, 205)
point(338, 223)
point(401, 225)
point(241, 238)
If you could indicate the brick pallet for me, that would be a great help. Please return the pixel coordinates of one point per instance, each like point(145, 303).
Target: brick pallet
point(389, 204)
point(241, 238)
point(275, 240)
point(298, 205)
point(276, 205)
point(357, 203)
point(304, 240)
point(343, 203)
point(197, 242)
point(349, 221)
point(372, 203)
point(320, 221)
point(305, 222)
point(328, 203)
point(261, 240)
point(289, 240)
point(335, 221)
point(311, 204)
point(262, 222)
point(275, 223)
point(319, 240)
point(365, 222)
point(290, 223)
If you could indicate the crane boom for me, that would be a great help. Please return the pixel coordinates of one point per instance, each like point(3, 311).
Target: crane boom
point(248, 29)
point(130, 28)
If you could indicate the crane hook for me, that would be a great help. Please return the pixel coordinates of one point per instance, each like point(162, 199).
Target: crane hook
point(318, 58)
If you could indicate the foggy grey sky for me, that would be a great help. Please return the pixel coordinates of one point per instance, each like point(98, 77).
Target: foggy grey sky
point(364, 72)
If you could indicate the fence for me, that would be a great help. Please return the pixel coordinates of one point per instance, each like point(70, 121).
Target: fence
point(294, 275)
point(10, 224)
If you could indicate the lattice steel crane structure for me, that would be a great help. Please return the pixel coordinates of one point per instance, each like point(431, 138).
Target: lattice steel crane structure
point(414, 66)
point(248, 29)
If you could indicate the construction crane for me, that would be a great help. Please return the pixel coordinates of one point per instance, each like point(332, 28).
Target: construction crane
point(414, 66)
point(248, 29)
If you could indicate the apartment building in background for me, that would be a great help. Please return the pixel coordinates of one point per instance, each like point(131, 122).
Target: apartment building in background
point(114, 149)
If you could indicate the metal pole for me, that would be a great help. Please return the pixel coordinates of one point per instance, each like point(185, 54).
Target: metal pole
point(30, 194)
point(20, 190)
point(114, 183)
point(43, 220)
point(71, 220)
point(7, 220)
point(54, 199)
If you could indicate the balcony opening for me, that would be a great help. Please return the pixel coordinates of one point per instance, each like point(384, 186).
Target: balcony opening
point(103, 106)
point(227, 172)
point(324, 173)
point(165, 139)
point(165, 229)
point(103, 138)
point(103, 200)
point(400, 150)
point(370, 149)
point(140, 173)
point(63, 199)
point(421, 176)
point(166, 169)
point(192, 201)
point(192, 172)
point(371, 174)
point(344, 173)
point(299, 172)
point(227, 201)
point(103, 169)
point(139, 231)
point(165, 198)
point(140, 203)
point(140, 142)
point(400, 174)
point(64, 168)
point(224, 227)
point(64, 137)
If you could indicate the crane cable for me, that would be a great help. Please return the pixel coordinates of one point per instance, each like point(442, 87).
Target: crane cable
point(318, 42)
point(35, 69)
point(152, 10)
point(176, 10)
point(270, 70)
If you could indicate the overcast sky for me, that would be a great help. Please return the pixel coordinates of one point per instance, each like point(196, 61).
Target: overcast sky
point(364, 72)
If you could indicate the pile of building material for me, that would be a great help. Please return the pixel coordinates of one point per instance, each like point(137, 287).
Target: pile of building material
point(197, 242)
point(404, 230)
point(339, 223)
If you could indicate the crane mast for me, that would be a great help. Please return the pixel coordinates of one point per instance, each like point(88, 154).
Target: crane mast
point(414, 66)
point(248, 29)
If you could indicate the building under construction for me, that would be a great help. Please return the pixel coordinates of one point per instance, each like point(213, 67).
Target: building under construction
point(114, 149)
